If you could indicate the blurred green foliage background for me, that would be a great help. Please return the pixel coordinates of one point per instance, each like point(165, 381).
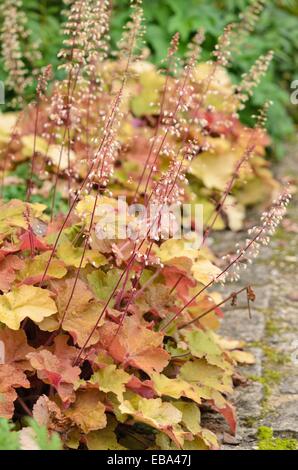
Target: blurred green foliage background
point(277, 30)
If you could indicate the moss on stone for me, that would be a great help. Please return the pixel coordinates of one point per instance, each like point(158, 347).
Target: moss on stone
point(266, 441)
point(269, 378)
point(272, 326)
point(250, 421)
point(275, 357)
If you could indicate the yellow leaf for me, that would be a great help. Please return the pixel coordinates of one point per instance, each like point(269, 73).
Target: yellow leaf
point(111, 379)
point(82, 312)
point(204, 200)
point(209, 438)
point(191, 415)
point(34, 268)
point(80, 323)
point(171, 249)
point(61, 157)
point(25, 301)
point(104, 439)
point(197, 443)
point(204, 374)
point(72, 255)
point(229, 344)
point(85, 207)
point(235, 213)
point(243, 357)
point(102, 284)
point(175, 388)
point(7, 122)
point(204, 271)
point(147, 100)
point(256, 190)
point(176, 253)
point(15, 214)
point(201, 344)
point(30, 142)
point(214, 170)
point(88, 412)
point(160, 415)
point(220, 94)
point(153, 412)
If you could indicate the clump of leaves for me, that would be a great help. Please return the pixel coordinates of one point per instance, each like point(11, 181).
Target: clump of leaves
point(104, 362)
point(99, 338)
point(109, 329)
point(276, 28)
point(189, 110)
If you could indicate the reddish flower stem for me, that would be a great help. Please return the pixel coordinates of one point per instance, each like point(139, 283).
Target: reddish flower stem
point(215, 279)
point(211, 309)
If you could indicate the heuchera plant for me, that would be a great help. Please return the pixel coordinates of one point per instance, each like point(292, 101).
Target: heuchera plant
point(204, 113)
point(111, 340)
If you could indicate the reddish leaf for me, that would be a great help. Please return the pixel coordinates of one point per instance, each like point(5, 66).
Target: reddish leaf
point(229, 413)
point(134, 344)
point(219, 312)
point(8, 267)
point(172, 275)
point(7, 250)
point(145, 388)
point(37, 244)
point(57, 372)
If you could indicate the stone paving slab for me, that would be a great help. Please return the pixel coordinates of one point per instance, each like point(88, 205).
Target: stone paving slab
point(271, 397)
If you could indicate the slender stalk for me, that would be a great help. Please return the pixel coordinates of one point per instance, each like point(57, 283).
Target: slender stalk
point(25, 407)
point(211, 309)
point(220, 205)
point(30, 180)
point(171, 55)
point(217, 278)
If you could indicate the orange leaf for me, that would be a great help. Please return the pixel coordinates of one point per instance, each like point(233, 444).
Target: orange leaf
point(229, 413)
point(37, 244)
point(55, 371)
point(8, 267)
point(15, 348)
point(10, 378)
point(134, 345)
point(143, 388)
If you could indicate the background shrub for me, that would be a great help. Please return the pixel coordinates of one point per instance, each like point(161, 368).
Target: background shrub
point(276, 29)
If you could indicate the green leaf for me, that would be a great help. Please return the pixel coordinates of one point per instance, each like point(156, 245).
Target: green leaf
point(201, 344)
point(9, 438)
point(42, 438)
point(102, 284)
